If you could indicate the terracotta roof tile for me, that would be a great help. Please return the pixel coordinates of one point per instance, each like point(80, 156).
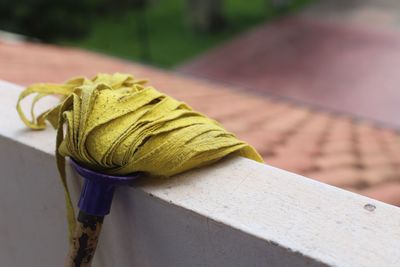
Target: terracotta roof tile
point(338, 147)
point(263, 141)
point(330, 162)
point(295, 162)
point(379, 174)
point(345, 176)
point(394, 156)
point(301, 142)
point(376, 159)
point(388, 192)
point(330, 148)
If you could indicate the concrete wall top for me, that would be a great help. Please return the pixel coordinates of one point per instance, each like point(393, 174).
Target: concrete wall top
point(233, 213)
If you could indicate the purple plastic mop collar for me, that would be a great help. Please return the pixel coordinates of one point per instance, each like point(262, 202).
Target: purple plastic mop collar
point(98, 189)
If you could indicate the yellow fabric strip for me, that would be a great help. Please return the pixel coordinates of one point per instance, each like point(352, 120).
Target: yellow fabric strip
point(117, 125)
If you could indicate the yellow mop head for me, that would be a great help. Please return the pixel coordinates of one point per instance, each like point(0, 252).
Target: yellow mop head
point(117, 125)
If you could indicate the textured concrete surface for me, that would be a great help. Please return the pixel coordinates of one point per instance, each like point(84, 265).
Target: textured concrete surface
point(234, 213)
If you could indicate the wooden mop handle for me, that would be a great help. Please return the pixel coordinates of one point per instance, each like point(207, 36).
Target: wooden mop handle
point(94, 203)
point(84, 241)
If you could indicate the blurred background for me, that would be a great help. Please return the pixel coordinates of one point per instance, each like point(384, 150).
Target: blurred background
point(162, 33)
point(312, 84)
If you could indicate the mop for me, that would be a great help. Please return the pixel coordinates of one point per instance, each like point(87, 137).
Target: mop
point(114, 128)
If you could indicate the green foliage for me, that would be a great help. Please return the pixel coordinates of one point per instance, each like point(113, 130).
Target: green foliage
point(155, 33)
point(44, 19)
point(50, 19)
point(168, 40)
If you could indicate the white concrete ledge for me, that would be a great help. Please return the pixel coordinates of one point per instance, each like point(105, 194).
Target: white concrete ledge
point(235, 213)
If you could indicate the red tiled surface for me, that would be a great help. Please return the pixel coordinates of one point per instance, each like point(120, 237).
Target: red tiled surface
point(338, 150)
point(348, 68)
